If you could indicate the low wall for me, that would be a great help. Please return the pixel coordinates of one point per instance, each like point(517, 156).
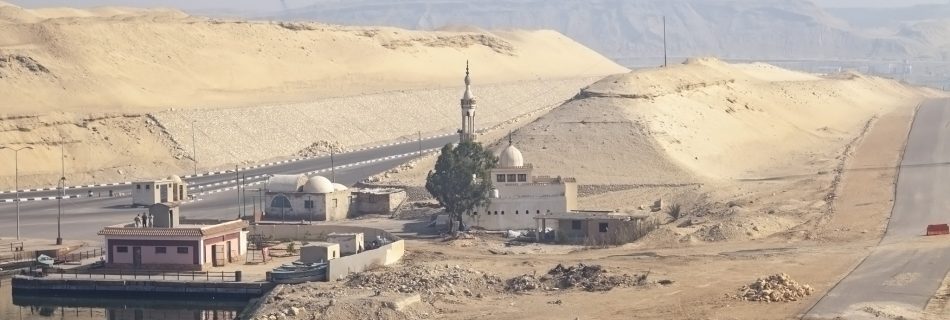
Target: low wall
point(339, 268)
point(315, 232)
point(382, 256)
point(154, 287)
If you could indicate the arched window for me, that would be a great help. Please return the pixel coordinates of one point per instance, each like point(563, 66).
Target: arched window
point(516, 211)
point(539, 212)
point(280, 201)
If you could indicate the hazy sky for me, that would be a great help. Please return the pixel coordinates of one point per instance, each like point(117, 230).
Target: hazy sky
point(266, 6)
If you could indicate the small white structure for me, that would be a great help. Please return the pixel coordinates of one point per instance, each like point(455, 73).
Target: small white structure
point(147, 193)
point(350, 243)
point(519, 197)
point(319, 252)
point(296, 197)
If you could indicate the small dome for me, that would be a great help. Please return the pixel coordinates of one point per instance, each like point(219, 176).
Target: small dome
point(175, 179)
point(318, 184)
point(510, 157)
point(338, 187)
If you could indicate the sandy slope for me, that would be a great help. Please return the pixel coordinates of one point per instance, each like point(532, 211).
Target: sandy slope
point(117, 59)
point(749, 151)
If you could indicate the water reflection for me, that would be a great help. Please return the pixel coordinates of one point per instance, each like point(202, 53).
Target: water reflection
point(32, 307)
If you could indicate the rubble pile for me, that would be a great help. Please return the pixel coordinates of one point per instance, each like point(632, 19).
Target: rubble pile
point(321, 148)
point(428, 281)
point(588, 277)
point(775, 288)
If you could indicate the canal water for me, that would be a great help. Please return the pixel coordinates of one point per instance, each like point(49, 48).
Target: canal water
point(32, 307)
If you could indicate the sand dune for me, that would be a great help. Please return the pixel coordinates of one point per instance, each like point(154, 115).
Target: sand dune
point(708, 120)
point(131, 60)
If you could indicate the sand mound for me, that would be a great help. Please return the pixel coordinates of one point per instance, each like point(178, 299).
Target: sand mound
point(706, 120)
point(113, 58)
point(775, 288)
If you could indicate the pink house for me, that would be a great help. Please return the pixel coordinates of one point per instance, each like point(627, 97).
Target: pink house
point(170, 245)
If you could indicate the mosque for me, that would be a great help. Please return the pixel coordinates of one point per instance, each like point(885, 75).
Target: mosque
point(518, 196)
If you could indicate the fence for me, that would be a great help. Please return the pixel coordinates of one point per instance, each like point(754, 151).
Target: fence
point(77, 257)
point(206, 276)
point(16, 246)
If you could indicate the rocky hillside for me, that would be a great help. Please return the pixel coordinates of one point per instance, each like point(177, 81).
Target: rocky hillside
point(632, 30)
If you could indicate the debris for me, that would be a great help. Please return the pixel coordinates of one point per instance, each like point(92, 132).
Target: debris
point(775, 288)
point(588, 277)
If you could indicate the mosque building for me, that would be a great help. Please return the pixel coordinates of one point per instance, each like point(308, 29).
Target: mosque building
point(518, 196)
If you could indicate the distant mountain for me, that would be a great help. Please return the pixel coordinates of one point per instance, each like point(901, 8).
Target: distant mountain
point(632, 30)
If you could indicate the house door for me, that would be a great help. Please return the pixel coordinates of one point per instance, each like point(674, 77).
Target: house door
point(137, 256)
point(163, 194)
point(217, 255)
point(229, 251)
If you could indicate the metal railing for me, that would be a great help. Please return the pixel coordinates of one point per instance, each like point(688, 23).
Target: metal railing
point(79, 256)
point(16, 246)
point(206, 276)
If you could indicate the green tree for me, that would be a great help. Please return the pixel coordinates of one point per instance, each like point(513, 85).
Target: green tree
point(461, 179)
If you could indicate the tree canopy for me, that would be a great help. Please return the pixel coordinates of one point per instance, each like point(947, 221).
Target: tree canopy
point(461, 178)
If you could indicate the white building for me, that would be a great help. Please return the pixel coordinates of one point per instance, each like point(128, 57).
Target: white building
point(296, 197)
point(147, 193)
point(519, 196)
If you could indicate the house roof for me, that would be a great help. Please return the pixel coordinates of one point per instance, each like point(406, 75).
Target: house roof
point(286, 183)
point(183, 231)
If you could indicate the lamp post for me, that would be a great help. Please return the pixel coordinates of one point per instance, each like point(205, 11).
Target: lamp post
point(16, 183)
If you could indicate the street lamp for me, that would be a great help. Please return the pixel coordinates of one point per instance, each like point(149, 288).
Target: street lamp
point(16, 183)
point(62, 194)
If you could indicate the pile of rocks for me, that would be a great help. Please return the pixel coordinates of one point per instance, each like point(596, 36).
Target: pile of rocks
point(428, 281)
point(775, 288)
point(321, 148)
point(588, 277)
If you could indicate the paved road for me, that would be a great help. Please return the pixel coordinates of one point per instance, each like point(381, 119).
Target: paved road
point(901, 275)
point(84, 217)
point(213, 181)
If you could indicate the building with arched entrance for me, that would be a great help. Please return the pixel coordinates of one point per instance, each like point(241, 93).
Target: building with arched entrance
point(297, 197)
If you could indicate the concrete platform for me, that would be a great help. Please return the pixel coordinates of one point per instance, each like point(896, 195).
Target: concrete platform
point(126, 287)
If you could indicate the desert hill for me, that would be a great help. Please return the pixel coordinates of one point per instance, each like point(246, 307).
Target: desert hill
point(124, 88)
point(131, 60)
point(708, 120)
point(744, 150)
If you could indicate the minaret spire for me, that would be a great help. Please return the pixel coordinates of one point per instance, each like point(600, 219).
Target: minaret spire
point(467, 132)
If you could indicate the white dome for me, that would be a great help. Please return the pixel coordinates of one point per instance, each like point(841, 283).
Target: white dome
point(510, 157)
point(338, 187)
point(318, 184)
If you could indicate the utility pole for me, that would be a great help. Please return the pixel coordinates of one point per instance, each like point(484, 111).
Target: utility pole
point(664, 43)
point(243, 195)
point(62, 194)
point(332, 167)
point(194, 147)
point(237, 185)
point(16, 183)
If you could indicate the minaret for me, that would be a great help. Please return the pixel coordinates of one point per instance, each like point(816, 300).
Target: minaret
point(467, 132)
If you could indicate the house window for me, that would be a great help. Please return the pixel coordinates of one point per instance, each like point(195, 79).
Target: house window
point(122, 249)
point(502, 213)
point(183, 250)
point(538, 212)
point(496, 213)
point(308, 204)
point(160, 250)
point(474, 213)
point(575, 224)
point(138, 186)
point(522, 177)
point(516, 211)
point(602, 226)
point(334, 203)
point(500, 178)
point(147, 187)
point(512, 177)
